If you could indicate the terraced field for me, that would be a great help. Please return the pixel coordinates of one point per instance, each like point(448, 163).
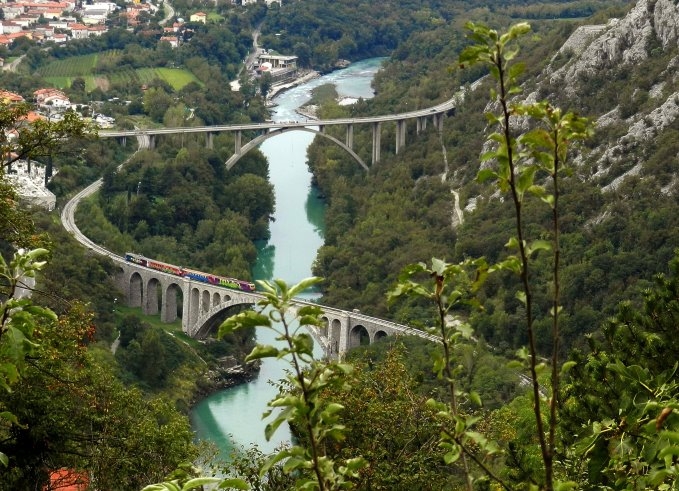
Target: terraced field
point(61, 73)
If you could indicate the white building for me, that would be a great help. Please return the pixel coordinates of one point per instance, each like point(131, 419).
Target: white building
point(28, 179)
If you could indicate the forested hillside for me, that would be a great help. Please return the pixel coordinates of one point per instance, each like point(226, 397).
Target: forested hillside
point(618, 204)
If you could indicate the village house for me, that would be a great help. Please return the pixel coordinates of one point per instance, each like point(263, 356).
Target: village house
point(97, 12)
point(26, 20)
point(53, 98)
point(9, 27)
point(78, 31)
point(11, 11)
point(59, 38)
point(8, 97)
point(8, 39)
point(198, 17)
point(60, 23)
point(173, 40)
point(45, 32)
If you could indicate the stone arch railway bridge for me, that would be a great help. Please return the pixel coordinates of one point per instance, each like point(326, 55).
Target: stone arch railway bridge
point(205, 306)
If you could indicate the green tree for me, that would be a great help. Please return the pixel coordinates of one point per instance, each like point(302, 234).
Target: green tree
point(518, 160)
point(265, 84)
point(620, 432)
point(40, 138)
point(379, 395)
point(72, 412)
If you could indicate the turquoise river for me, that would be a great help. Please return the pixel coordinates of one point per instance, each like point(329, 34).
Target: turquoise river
point(232, 418)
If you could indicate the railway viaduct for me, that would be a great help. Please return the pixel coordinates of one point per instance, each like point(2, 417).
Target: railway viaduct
point(202, 307)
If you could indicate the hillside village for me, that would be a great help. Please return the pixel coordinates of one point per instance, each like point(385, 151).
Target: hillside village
point(58, 22)
point(53, 23)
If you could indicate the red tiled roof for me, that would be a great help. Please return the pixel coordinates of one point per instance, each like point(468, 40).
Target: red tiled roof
point(67, 480)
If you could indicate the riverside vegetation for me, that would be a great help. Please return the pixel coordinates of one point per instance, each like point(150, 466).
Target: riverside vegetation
point(603, 262)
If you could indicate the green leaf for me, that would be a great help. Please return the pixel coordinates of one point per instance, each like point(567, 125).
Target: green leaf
point(453, 455)
point(262, 351)
point(305, 284)
point(273, 460)
point(565, 485)
point(438, 266)
point(486, 174)
point(303, 343)
point(565, 368)
point(539, 245)
point(199, 482)
point(521, 296)
point(512, 243)
point(475, 398)
point(243, 320)
point(234, 483)
point(309, 310)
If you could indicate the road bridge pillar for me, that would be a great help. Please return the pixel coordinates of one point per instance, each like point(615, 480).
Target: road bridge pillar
point(321, 128)
point(421, 124)
point(400, 135)
point(238, 139)
point(123, 141)
point(438, 122)
point(377, 128)
point(152, 142)
point(210, 140)
point(350, 136)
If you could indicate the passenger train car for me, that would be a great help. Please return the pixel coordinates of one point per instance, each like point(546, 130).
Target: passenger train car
point(212, 279)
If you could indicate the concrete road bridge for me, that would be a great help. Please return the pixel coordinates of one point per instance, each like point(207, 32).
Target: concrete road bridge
point(201, 306)
point(270, 129)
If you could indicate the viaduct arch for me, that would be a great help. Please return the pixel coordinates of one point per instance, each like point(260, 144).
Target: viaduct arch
point(255, 142)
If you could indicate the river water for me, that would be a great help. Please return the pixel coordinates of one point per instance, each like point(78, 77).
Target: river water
point(232, 418)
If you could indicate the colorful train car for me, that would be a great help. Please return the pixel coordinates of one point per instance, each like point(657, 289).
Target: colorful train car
point(211, 279)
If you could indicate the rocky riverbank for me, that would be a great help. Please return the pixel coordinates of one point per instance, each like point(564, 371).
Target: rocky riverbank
point(219, 378)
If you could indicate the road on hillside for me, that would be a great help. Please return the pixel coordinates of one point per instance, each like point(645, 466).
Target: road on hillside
point(12, 67)
point(169, 12)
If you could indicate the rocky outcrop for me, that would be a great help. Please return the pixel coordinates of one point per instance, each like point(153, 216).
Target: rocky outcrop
point(649, 23)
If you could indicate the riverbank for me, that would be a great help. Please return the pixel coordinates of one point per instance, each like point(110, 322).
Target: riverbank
point(279, 88)
point(217, 379)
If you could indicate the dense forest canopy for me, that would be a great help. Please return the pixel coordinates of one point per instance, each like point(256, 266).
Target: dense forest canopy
point(176, 202)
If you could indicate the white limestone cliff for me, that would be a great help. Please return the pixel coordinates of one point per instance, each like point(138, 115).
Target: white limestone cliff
point(621, 42)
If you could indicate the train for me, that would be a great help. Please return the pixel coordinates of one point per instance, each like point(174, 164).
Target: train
point(212, 279)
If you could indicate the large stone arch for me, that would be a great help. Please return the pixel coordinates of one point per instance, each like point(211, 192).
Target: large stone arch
point(194, 305)
point(379, 335)
point(359, 336)
point(170, 302)
point(136, 290)
point(153, 297)
point(261, 138)
point(210, 320)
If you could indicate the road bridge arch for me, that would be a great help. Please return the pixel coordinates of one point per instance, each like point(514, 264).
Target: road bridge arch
point(279, 131)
